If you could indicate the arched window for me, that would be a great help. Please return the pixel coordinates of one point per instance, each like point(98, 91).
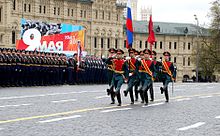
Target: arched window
point(25, 7)
point(174, 60)
point(0, 14)
point(95, 42)
point(161, 45)
point(1, 38)
point(175, 45)
point(140, 45)
point(116, 43)
point(125, 43)
point(13, 37)
point(29, 7)
point(184, 61)
point(189, 61)
point(108, 42)
point(102, 42)
point(14, 4)
point(44, 9)
point(145, 44)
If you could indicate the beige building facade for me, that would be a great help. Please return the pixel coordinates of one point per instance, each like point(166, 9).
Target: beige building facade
point(105, 28)
point(102, 19)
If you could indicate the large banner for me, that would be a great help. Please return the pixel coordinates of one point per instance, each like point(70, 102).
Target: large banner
point(50, 37)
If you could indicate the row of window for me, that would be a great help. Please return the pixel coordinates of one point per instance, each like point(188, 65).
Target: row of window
point(42, 9)
point(102, 43)
point(184, 60)
point(140, 44)
point(161, 45)
point(27, 7)
point(56, 11)
point(70, 11)
point(104, 15)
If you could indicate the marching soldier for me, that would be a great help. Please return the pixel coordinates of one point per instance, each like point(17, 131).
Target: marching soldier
point(156, 64)
point(146, 73)
point(110, 72)
point(132, 74)
point(136, 53)
point(120, 74)
point(168, 75)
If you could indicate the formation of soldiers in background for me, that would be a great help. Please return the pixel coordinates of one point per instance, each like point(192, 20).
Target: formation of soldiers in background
point(33, 68)
point(139, 71)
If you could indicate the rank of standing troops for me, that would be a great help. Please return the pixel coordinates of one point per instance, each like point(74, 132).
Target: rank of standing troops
point(33, 68)
point(139, 71)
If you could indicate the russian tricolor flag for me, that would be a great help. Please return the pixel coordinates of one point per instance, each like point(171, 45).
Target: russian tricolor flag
point(129, 26)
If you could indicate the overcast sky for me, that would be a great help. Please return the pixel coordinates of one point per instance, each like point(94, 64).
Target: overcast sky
point(181, 11)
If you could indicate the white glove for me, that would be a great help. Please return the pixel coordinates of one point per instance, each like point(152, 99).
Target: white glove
point(128, 58)
point(136, 57)
point(113, 56)
point(139, 59)
point(130, 74)
point(159, 60)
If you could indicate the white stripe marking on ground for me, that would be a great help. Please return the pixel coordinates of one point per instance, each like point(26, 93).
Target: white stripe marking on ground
point(113, 110)
point(59, 119)
point(4, 106)
point(218, 117)
point(61, 101)
point(43, 95)
point(155, 104)
point(100, 97)
point(202, 97)
point(184, 99)
point(192, 126)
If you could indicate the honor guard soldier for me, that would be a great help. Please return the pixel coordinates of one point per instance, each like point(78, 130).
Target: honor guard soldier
point(120, 74)
point(146, 73)
point(132, 79)
point(156, 64)
point(137, 55)
point(110, 71)
point(167, 74)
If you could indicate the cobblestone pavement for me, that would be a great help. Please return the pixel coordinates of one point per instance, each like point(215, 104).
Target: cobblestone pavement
point(194, 110)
